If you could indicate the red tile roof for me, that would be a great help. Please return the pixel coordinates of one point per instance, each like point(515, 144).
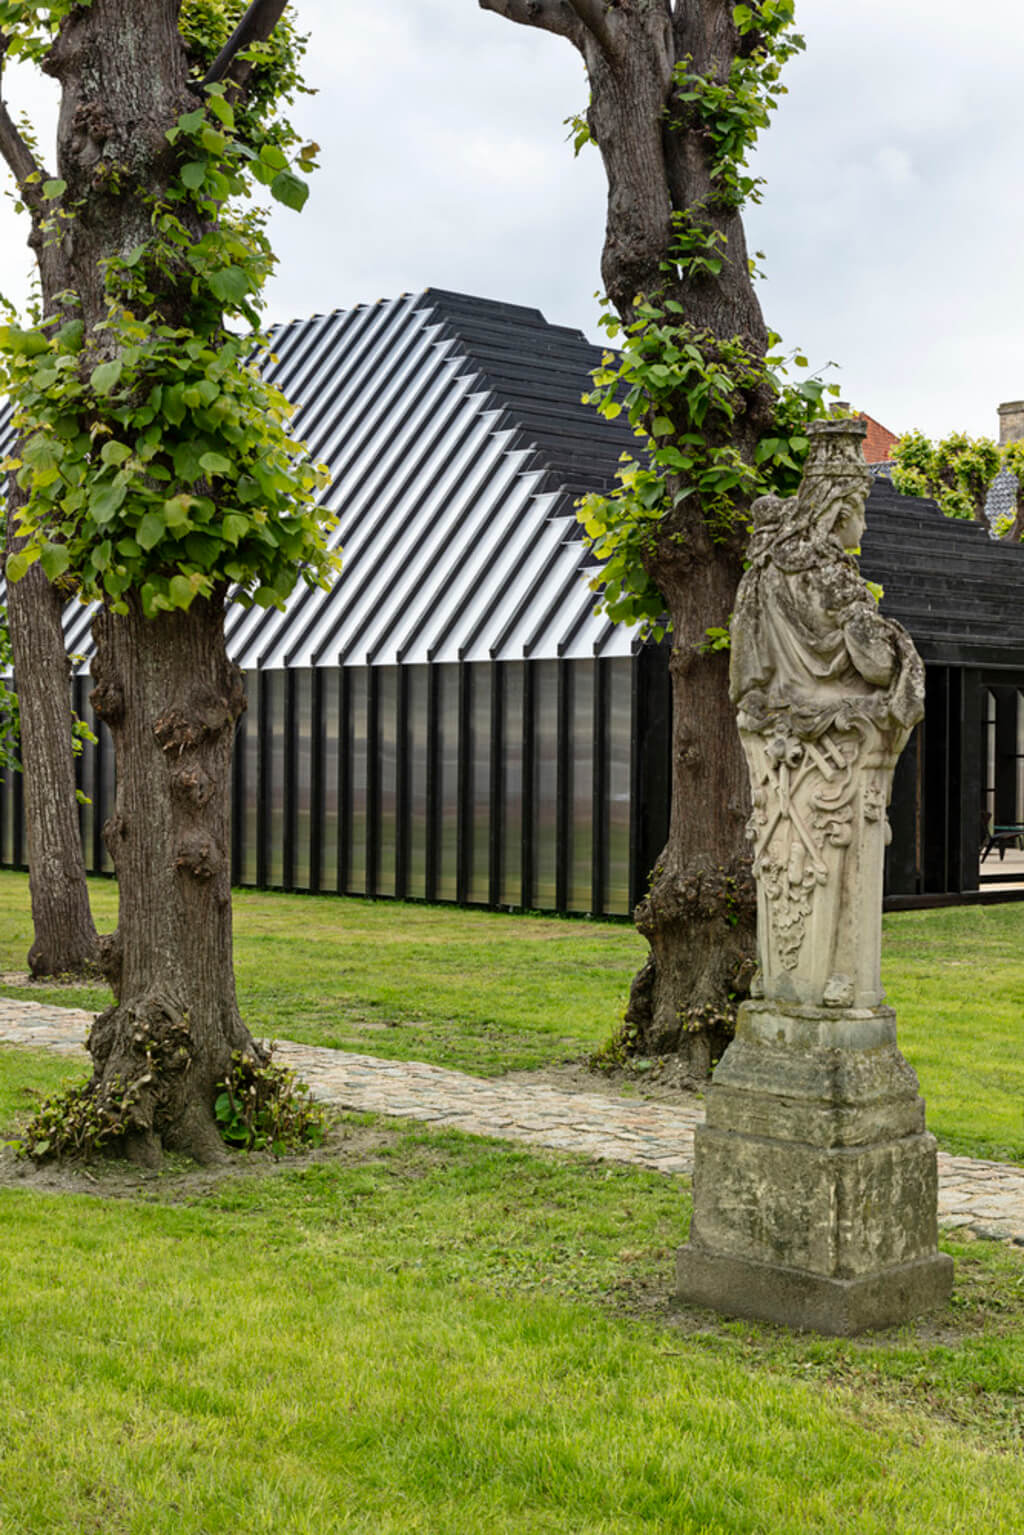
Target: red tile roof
point(879, 442)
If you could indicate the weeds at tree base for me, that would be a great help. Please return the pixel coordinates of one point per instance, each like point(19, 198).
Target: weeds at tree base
point(266, 1108)
point(258, 1108)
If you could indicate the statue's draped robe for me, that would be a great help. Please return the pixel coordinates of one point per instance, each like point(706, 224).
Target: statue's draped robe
point(827, 692)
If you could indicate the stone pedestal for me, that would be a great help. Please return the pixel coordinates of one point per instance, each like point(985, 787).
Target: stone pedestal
point(815, 1181)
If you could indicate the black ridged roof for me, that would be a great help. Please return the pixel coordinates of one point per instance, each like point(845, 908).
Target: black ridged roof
point(457, 442)
point(958, 591)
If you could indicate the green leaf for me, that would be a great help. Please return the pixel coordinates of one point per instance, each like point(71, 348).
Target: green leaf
point(177, 509)
point(104, 378)
point(290, 190)
point(106, 501)
point(181, 591)
point(17, 564)
point(234, 527)
point(231, 285)
point(215, 463)
point(54, 188)
point(193, 174)
point(71, 336)
point(273, 157)
point(115, 452)
point(54, 560)
point(151, 530)
point(186, 463)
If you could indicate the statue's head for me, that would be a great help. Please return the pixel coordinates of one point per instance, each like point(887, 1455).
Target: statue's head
point(836, 481)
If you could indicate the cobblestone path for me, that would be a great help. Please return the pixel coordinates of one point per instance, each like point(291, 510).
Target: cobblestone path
point(985, 1198)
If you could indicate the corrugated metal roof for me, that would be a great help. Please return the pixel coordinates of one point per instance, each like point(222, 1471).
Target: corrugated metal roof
point(457, 443)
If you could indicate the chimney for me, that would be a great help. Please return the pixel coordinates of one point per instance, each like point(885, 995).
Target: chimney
point(1011, 422)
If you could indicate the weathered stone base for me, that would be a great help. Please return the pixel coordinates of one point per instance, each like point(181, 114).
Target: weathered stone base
point(810, 1302)
point(815, 1180)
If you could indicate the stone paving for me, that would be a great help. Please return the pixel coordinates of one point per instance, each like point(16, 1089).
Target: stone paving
point(983, 1198)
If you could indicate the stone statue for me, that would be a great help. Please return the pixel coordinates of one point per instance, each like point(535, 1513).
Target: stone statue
point(827, 692)
point(815, 1179)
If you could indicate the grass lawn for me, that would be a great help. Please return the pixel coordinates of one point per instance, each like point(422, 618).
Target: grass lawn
point(423, 1332)
point(487, 993)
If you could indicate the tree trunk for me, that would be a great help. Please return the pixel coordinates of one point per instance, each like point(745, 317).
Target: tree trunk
point(699, 915)
point(65, 941)
point(171, 699)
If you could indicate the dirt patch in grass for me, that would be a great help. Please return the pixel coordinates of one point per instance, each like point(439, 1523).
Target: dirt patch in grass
point(663, 1079)
point(180, 1180)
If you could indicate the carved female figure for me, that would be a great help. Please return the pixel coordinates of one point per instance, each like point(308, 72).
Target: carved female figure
point(827, 692)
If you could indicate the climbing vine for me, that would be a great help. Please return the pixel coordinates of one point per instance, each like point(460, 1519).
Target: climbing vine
point(682, 388)
point(154, 457)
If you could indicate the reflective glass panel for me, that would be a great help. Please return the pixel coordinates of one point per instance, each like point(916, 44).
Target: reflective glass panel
point(387, 764)
point(330, 682)
point(303, 790)
point(545, 779)
point(448, 786)
point(581, 793)
point(273, 727)
point(479, 819)
point(618, 728)
point(357, 779)
point(418, 683)
point(250, 748)
point(512, 786)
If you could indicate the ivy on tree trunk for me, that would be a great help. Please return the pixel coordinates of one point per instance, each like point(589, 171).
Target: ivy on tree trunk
point(156, 475)
point(678, 92)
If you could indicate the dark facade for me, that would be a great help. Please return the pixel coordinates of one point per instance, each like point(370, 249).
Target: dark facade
point(452, 721)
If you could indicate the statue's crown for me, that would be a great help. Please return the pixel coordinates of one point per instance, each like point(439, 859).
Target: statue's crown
point(837, 449)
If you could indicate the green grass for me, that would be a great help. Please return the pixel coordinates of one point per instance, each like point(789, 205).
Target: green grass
point(455, 1337)
point(486, 992)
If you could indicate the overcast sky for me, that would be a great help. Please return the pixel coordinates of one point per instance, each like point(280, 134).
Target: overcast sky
point(892, 223)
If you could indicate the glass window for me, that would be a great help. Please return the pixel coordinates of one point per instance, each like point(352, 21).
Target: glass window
point(356, 839)
point(250, 749)
point(618, 734)
point(581, 796)
point(330, 683)
point(418, 684)
point(545, 781)
point(302, 789)
point(448, 785)
point(273, 728)
point(387, 766)
point(478, 820)
point(512, 786)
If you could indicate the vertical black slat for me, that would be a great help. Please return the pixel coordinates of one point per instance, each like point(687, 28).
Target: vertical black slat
point(403, 794)
point(263, 784)
point(344, 780)
point(18, 838)
point(290, 798)
point(563, 783)
point(968, 807)
point(238, 797)
point(933, 735)
point(464, 791)
point(903, 875)
point(433, 858)
point(78, 687)
point(317, 747)
point(496, 789)
point(600, 812)
point(529, 780)
point(100, 810)
point(1006, 756)
point(651, 764)
point(373, 776)
point(638, 716)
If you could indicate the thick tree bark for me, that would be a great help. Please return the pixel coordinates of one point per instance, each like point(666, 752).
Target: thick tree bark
point(699, 915)
point(171, 699)
point(164, 686)
point(65, 941)
point(64, 934)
